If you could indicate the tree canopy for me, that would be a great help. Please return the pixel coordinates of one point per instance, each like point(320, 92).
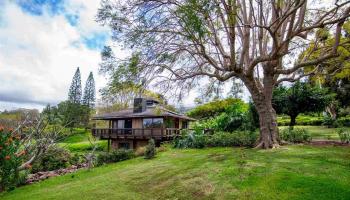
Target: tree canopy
point(89, 97)
point(335, 73)
point(300, 98)
point(75, 91)
point(213, 108)
point(181, 41)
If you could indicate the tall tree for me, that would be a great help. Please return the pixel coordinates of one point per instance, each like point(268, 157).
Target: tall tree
point(89, 97)
point(300, 98)
point(181, 41)
point(74, 94)
point(335, 73)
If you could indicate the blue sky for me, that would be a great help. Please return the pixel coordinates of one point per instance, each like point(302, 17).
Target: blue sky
point(93, 40)
point(42, 42)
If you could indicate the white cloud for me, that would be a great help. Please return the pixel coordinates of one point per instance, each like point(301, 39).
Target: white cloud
point(38, 58)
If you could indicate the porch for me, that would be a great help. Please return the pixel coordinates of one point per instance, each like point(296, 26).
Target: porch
point(136, 133)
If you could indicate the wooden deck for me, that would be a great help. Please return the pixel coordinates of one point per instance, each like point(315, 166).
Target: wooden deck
point(136, 133)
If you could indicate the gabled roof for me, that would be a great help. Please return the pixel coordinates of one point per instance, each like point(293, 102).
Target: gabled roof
point(156, 111)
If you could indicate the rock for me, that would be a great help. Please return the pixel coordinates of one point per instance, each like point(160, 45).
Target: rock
point(45, 175)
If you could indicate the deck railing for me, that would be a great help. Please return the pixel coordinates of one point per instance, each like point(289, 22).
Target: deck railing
point(136, 133)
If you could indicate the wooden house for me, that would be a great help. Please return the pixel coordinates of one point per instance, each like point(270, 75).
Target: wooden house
point(132, 128)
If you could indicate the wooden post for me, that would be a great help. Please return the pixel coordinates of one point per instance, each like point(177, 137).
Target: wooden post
point(108, 144)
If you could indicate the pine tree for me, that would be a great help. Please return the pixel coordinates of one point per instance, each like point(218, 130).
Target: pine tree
point(89, 92)
point(74, 94)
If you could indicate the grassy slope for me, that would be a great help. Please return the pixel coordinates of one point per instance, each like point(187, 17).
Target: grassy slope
point(79, 141)
point(291, 172)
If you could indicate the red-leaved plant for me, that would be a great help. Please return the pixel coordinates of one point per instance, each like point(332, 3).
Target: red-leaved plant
point(11, 157)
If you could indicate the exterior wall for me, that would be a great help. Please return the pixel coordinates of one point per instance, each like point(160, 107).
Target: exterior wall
point(141, 143)
point(116, 144)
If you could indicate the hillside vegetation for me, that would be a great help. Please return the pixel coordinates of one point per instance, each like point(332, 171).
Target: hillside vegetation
point(291, 172)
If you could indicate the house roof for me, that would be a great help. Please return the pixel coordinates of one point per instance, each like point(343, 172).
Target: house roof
point(156, 111)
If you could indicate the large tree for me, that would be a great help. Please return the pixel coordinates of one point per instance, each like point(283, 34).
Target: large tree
point(300, 98)
point(180, 41)
point(74, 94)
point(89, 97)
point(334, 73)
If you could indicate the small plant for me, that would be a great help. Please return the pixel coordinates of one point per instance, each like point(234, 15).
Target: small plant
point(344, 135)
point(150, 151)
point(297, 135)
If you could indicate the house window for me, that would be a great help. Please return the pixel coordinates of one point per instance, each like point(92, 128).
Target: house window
point(184, 124)
point(152, 122)
point(124, 145)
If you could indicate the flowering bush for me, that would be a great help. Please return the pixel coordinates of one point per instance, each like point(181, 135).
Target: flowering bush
point(10, 158)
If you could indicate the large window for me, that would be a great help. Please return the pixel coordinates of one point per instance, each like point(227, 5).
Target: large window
point(152, 122)
point(124, 145)
point(184, 124)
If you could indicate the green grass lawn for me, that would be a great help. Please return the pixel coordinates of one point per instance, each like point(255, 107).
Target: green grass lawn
point(320, 132)
point(78, 141)
point(290, 172)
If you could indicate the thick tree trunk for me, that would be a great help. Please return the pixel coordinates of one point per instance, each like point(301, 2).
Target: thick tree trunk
point(269, 137)
point(292, 121)
point(262, 97)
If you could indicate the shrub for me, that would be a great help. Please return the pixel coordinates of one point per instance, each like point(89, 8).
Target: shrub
point(252, 118)
point(150, 151)
point(114, 156)
point(305, 120)
point(238, 138)
point(218, 139)
point(344, 135)
point(344, 121)
point(77, 159)
point(330, 122)
point(10, 158)
point(297, 135)
point(55, 158)
point(191, 140)
point(238, 116)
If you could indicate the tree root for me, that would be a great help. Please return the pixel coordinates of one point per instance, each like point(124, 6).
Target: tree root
point(262, 145)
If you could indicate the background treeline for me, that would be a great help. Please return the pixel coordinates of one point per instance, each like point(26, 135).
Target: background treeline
point(77, 109)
